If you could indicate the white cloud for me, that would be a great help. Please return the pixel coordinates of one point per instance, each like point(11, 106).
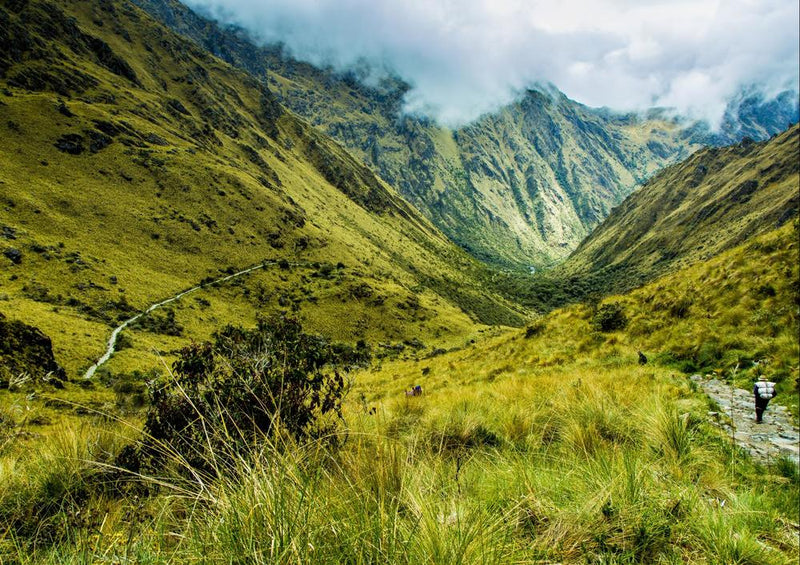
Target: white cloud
point(466, 57)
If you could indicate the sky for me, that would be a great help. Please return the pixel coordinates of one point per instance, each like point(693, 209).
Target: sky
point(468, 57)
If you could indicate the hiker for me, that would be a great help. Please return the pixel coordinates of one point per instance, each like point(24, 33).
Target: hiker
point(764, 391)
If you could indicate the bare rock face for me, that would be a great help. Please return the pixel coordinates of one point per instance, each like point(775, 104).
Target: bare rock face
point(26, 349)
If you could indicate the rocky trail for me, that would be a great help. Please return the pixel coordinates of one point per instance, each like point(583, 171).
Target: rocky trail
point(112, 340)
point(765, 442)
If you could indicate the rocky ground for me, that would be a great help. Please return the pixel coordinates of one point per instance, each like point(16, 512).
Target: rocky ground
point(765, 442)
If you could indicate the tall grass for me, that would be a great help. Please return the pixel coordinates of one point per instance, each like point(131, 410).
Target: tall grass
point(615, 480)
point(556, 447)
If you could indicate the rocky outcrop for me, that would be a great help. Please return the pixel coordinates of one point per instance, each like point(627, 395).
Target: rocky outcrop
point(27, 350)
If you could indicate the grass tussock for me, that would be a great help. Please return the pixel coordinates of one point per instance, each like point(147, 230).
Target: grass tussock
point(591, 476)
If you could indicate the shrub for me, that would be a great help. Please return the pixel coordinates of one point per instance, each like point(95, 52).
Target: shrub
point(610, 317)
point(680, 308)
point(248, 384)
point(158, 324)
point(535, 329)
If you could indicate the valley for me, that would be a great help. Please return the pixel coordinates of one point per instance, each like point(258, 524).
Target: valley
point(253, 311)
point(516, 188)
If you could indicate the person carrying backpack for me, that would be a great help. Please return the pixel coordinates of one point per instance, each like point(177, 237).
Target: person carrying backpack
point(764, 391)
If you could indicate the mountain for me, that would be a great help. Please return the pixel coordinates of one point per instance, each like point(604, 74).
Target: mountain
point(134, 165)
point(519, 187)
point(752, 115)
point(715, 200)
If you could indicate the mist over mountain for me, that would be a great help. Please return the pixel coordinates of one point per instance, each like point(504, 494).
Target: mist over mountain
point(520, 186)
point(467, 58)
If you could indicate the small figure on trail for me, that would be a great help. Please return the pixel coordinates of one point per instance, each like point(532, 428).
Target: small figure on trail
point(764, 391)
point(642, 359)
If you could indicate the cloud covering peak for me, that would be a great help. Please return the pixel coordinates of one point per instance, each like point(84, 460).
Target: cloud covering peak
point(467, 57)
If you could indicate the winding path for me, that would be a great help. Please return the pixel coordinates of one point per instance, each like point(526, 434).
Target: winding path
point(112, 341)
point(765, 442)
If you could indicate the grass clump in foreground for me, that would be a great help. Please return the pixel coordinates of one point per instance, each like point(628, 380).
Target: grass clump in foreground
point(553, 444)
point(614, 470)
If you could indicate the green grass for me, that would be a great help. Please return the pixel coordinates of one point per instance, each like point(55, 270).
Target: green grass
point(715, 200)
point(555, 447)
point(178, 196)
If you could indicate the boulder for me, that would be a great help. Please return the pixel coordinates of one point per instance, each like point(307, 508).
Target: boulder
point(26, 349)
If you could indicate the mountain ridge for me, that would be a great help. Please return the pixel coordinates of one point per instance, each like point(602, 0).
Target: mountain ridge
point(692, 211)
point(532, 207)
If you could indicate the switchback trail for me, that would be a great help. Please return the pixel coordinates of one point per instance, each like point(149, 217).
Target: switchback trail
point(765, 442)
point(112, 341)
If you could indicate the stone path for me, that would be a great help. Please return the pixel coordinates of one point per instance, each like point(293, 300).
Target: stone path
point(112, 341)
point(765, 442)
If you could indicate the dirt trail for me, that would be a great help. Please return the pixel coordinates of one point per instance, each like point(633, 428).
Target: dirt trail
point(765, 442)
point(112, 341)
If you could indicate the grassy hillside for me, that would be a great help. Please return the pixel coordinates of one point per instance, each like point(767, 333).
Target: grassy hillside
point(134, 165)
point(692, 211)
point(549, 444)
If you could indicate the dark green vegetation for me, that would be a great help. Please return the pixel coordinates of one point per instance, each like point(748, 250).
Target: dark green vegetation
point(25, 352)
point(689, 212)
point(223, 397)
point(135, 165)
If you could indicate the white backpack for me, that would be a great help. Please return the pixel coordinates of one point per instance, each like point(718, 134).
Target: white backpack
point(766, 389)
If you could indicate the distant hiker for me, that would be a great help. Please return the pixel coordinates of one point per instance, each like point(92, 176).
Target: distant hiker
point(415, 391)
point(642, 359)
point(764, 391)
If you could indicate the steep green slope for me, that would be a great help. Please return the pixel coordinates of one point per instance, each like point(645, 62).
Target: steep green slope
point(134, 165)
point(715, 200)
point(549, 169)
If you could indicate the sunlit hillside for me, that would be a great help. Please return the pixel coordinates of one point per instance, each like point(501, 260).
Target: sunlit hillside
point(713, 201)
point(518, 187)
point(551, 443)
point(134, 165)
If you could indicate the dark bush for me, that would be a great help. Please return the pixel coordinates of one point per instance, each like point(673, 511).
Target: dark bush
point(249, 384)
point(534, 329)
point(610, 317)
point(156, 323)
point(765, 291)
point(680, 308)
